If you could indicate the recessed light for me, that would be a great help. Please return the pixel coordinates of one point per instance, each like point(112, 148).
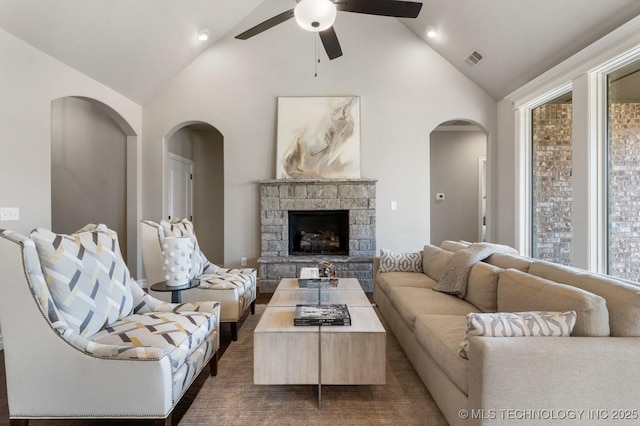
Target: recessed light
point(203, 35)
point(432, 32)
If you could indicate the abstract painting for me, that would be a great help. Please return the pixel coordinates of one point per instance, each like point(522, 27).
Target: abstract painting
point(318, 138)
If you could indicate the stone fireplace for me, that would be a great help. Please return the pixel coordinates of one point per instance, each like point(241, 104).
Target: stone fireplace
point(306, 221)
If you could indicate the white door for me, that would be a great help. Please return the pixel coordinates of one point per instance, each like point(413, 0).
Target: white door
point(180, 188)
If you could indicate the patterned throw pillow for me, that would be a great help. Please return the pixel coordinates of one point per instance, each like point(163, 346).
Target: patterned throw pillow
point(518, 324)
point(400, 262)
point(86, 275)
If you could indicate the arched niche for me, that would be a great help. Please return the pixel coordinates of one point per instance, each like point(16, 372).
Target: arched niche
point(95, 171)
point(458, 151)
point(200, 146)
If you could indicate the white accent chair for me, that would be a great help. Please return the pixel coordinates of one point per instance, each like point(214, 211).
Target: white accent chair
point(235, 289)
point(83, 340)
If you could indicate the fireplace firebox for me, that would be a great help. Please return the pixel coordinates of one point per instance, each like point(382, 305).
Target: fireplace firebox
point(318, 232)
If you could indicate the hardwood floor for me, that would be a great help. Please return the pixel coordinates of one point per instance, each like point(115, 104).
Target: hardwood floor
point(179, 411)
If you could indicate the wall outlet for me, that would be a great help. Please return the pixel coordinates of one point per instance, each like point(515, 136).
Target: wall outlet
point(440, 196)
point(243, 261)
point(9, 213)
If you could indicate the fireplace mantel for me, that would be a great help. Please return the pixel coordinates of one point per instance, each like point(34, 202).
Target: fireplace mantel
point(279, 196)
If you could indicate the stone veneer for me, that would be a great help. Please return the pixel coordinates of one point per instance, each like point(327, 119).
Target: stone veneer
point(277, 197)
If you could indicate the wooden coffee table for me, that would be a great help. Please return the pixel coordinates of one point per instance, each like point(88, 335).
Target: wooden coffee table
point(285, 354)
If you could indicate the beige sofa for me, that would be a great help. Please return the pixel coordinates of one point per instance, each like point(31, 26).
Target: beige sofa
point(594, 375)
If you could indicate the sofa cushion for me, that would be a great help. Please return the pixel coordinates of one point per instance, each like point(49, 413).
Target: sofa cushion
point(391, 261)
point(221, 281)
point(86, 275)
point(434, 260)
point(177, 334)
point(454, 245)
point(519, 292)
point(482, 287)
point(623, 299)
point(509, 261)
point(388, 280)
point(411, 302)
point(440, 335)
point(518, 324)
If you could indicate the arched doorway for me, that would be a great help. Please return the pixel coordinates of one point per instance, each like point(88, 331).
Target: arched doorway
point(94, 171)
point(199, 146)
point(458, 196)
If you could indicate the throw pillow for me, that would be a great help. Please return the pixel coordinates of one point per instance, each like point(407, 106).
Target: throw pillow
point(400, 262)
point(86, 275)
point(518, 324)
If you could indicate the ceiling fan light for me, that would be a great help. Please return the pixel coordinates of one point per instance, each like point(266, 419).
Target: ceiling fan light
point(315, 15)
point(203, 35)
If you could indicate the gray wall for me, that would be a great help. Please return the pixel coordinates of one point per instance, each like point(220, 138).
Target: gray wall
point(454, 172)
point(88, 169)
point(181, 143)
point(204, 145)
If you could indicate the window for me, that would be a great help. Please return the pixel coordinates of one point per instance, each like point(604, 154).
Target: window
point(551, 184)
point(623, 172)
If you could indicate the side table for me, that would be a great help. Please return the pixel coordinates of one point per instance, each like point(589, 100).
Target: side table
point(176, 296)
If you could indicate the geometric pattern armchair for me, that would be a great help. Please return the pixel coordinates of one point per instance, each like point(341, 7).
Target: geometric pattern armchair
point(235, 289)
point(83, 340)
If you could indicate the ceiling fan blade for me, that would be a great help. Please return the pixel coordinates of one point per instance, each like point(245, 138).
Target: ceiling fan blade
point(331, 43)
point(398, 9)
point(269, 23)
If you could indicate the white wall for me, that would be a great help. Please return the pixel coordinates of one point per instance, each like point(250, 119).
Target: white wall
point(29, 82)
point(406, 90)
point(88, 170)
point(504, 200)
point(454, 172)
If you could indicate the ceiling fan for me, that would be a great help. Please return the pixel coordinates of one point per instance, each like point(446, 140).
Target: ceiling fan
point(319, 15)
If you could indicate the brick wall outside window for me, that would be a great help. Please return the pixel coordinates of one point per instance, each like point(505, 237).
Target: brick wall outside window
point(624, 190)
point(551, 183)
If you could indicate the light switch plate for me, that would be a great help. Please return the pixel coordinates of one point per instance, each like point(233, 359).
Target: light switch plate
point(9, 213)
point(439, 196)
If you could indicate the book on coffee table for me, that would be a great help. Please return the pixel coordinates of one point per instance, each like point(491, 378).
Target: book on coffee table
point(334, 314)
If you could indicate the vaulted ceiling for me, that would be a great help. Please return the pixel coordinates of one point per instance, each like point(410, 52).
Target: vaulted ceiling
point(136, 46)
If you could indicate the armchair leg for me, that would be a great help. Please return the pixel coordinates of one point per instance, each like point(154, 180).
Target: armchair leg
point(163, 422)
point(253, 307)
point(213, 364)
point(234, 331)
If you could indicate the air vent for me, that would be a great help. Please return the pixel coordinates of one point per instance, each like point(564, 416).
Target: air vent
point(473, 58)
